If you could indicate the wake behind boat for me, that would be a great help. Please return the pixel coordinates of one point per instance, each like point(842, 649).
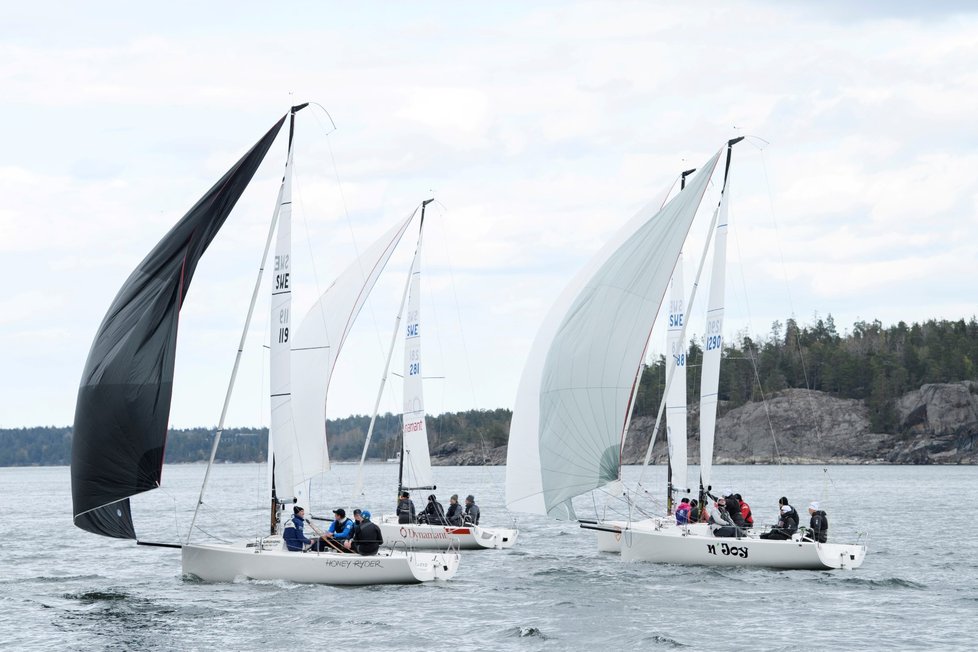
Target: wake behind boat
point(124, 400)
point(579, 385)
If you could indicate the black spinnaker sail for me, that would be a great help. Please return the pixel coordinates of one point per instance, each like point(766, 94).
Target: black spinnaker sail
point(123, 403)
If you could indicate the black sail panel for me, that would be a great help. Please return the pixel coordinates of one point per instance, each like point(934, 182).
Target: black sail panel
point(123, 403)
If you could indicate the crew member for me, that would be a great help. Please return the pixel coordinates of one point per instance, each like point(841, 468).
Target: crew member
point(368, 537)
point(471, 515)
point(818, 527)
point(295, 540)
point(405, 509)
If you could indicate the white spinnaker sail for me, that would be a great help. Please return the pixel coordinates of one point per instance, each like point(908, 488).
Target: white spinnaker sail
point(574, 396)
point(282, 433)
point(317, 343)
point(415, 460)
point(713, 346)
point(676, 400)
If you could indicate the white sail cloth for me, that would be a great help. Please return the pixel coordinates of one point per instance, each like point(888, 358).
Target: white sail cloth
point(713, 346)
point(280, 380)
point(574, 397)
point(415, 459)
point(676, 399)
point(316, 346)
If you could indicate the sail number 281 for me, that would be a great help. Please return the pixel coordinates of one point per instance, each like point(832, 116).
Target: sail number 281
point(730, 551)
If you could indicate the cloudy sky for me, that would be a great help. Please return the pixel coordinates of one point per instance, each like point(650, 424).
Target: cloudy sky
point(539, 128)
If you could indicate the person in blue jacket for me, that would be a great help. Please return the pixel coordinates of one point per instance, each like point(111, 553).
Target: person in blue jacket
point(340, 531)
point(295, 540)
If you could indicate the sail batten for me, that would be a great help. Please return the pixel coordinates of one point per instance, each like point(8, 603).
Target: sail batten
point(123, 404)
point(574, 396)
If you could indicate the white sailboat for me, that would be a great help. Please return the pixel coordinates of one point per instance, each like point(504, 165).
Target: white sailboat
point(576, 395)
point(414, 458)
point(123, 405)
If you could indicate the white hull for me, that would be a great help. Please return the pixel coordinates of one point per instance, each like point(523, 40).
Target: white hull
point(694, 545)
point(438, 537)
point(269, 560)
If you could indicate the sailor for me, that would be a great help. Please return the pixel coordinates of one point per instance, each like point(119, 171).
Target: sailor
point(340, 531)
point(295, 540)
point(368, 538)
point(724, 520)
point(682, 511)
point(818, 527)
point(695, 513)
point(745, 511)
point(454, 514)
point(405, 509)
point(471, 516)
point(434, 513)
point(787, 522)
point(357, 518)
point(734, 509)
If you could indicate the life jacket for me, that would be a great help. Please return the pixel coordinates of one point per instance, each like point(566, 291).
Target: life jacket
point(745, 512)
point(682, 513)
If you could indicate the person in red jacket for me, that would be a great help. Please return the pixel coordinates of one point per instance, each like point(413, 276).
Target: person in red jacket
point(745, 511)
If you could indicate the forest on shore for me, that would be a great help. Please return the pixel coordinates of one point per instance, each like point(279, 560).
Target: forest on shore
point(870, 363)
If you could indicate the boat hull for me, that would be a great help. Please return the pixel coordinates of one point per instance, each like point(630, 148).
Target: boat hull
point(678, 545)
point(268, 560)
point(438, 537)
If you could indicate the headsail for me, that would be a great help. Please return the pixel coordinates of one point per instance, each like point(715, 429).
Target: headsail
point(124, 400)
point(317, 344)
point(415, 458)
point(573, 399)
point(713, 346)
point(676, 399)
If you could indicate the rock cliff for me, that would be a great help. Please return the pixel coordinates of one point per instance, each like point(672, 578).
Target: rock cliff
point(938, 424)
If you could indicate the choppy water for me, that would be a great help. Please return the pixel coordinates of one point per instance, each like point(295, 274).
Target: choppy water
point(62, 588)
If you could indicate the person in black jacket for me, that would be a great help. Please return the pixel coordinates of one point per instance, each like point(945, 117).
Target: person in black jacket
point(727, 525)
point(405, 509)
point(368, 538)
point(787, 522)
point(434, 513)
point(818, 527)
point(454, 514)
point(471, 515)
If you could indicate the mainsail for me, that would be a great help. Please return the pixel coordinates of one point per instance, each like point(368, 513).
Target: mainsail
point(676, 398)
point(316, 347)
point(124, 399)
point(574, 396)
point(713, 346)
point(415, 458)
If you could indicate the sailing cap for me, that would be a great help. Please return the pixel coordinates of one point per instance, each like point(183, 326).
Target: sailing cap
point(470, 497)
point(357, 511)
point(340, 512)
point(296, 509)
point(365, 514)
point(813, 505)
point(785, 509)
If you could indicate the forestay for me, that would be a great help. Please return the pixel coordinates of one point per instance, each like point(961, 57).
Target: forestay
point(317, 344)
point(574, 397)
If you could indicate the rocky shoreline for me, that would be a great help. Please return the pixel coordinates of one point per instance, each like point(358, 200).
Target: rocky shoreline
point(938, 425)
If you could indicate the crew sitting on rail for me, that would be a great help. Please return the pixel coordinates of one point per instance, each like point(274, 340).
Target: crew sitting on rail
point(471, 516)
point(367, 538)
point(682, 512)
point(726, 519)
point(295, 540)
point(454, 514)
point(787, 522)
point(340, 531)
point(745, 511)
point(434, 513)
point(818, 528)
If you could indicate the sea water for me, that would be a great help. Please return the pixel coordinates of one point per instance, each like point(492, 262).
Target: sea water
point(64, 589)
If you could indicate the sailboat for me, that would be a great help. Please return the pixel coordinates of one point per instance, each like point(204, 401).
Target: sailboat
point(123, 404)
point(578, 388)
point(414, 458)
